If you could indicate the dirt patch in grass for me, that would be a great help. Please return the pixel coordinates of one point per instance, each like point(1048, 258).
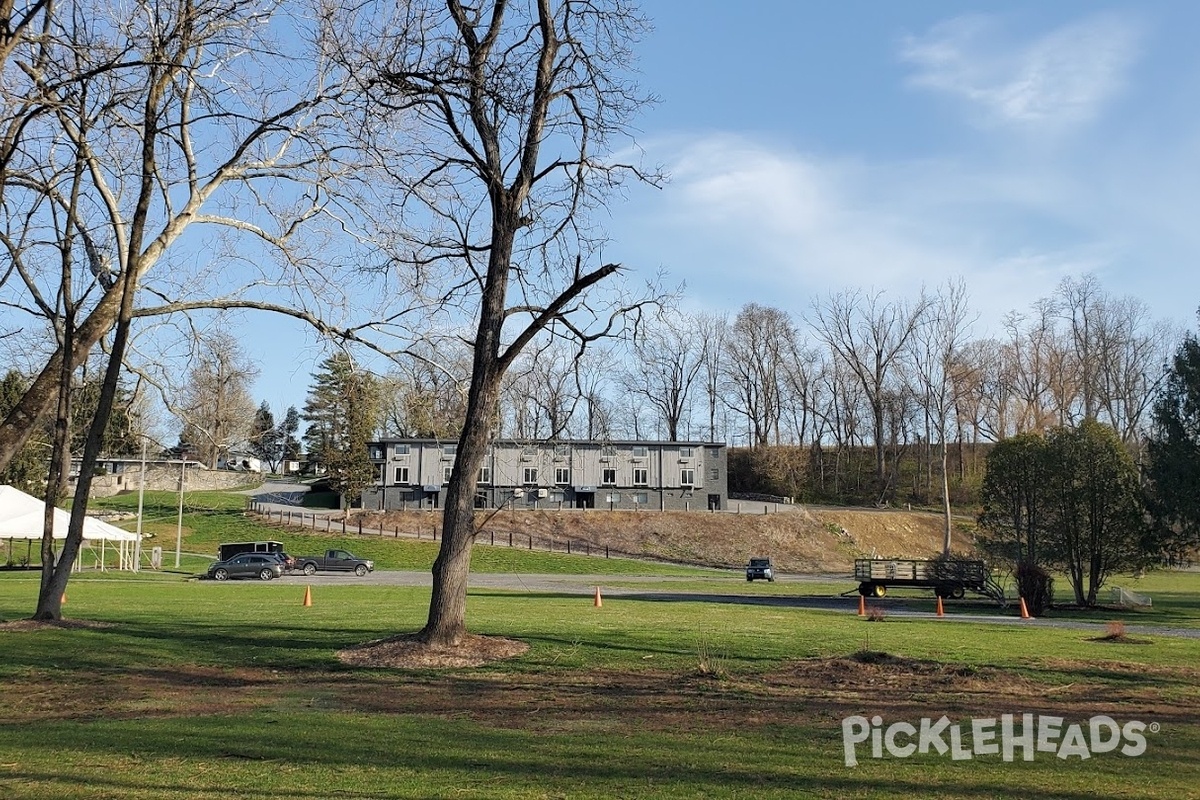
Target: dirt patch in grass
point(43, 624)
point(408, 652)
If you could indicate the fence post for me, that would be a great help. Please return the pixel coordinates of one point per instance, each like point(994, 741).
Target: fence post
point(606, 551)
point(343, 526)
point(568, 547)
point(493, 535)
point(360, 526)
point(531, 541)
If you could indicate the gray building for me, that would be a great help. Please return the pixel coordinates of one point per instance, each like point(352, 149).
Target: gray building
point(671, 476)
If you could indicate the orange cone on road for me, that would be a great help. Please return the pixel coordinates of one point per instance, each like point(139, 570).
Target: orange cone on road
point(1024, 610)
point(599, 601)
point(862, 605)
point(940, 611)
point(307, 596)
point(63, 600)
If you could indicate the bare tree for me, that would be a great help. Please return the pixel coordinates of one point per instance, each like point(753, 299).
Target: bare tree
point(869, 335)
point(216, 407)
point(668, 357)
point(181, 117)
point(760, 340)
point(937, 342)
point(506, 112)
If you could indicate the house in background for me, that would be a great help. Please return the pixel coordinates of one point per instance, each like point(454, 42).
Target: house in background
point(631, 475)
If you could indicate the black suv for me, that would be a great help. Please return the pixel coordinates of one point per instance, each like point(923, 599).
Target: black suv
point(760, 568)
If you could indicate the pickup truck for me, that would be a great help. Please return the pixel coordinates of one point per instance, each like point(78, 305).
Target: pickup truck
point(334, 561)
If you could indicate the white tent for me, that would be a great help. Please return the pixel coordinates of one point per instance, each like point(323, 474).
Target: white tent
point(22, 516)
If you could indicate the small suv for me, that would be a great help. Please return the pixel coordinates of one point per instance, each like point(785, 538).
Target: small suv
point(263, 566)
point(760, 568)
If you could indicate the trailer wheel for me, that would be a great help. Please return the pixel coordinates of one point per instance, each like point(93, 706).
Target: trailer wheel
point(879, 590)
point(958, 593)
point(866, 589)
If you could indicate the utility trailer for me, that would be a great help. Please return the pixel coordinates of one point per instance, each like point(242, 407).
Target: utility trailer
point(950, 578)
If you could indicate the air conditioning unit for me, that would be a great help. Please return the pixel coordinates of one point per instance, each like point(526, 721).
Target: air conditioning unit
point(543, 492)
point(518, 492)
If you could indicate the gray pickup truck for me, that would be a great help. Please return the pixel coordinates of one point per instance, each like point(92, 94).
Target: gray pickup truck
point(334, 561)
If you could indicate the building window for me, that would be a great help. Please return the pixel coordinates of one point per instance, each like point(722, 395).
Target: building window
point(562, 475)
point(685, 452)
point(639, 498)
point(449, 449)
point(614, 497)
point(447, 471)
point(687, 477)
point(531, 476)
point(485, 474)
point(639, 451)
point(556, 497)
point(713, 452)
point(380, 474)
point(640, 476)
point(608, 476)
point(376, 453)
point(400, 450)
point(714, 474)
point(402, 476)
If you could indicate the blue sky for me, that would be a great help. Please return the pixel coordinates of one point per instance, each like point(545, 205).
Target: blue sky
point(816, 146)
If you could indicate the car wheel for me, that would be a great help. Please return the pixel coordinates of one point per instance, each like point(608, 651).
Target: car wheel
point(266, 573)
point(221, 575)
point(310, 568)
point(360, 570)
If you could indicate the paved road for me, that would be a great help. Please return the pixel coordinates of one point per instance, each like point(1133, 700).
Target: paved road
point(659, 589)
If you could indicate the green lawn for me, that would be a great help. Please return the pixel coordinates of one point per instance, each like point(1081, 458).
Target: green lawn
point(204, 690)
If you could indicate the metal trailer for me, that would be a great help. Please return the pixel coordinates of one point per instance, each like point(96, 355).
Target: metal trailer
point(949, 578)
point(228, 550)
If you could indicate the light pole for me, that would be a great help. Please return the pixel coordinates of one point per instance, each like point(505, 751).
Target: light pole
point(137, 546)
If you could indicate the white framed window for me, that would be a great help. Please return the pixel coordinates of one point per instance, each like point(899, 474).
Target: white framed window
point(400, 450)
point(639, 498)
point(639, 451)
point(531, 476)
point(450, 449)
point(687, 477)
point(562, 476)
point(685, 452)
point(608, 476)
point(614, 497)
point(640, 476)
point(447, 471)
point(402, 476)
point(485, 474)
point(556, 497)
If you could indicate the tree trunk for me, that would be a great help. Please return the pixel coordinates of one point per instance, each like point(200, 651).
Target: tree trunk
point(946, 498)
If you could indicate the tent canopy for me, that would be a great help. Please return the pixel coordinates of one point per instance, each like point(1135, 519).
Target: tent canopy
point(22, 516)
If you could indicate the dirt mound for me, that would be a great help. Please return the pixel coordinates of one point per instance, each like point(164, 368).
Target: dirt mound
point(798, 538)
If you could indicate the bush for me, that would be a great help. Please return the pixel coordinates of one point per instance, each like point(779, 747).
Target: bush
point(1036, 586)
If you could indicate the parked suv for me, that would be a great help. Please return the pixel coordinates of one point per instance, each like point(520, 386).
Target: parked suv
point(263, 566)
point(760, 568)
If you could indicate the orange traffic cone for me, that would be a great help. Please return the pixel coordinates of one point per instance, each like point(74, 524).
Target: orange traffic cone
point(940, 611)
point(63, 600)
point(862, 605)
point(599, 601)
point(1024, 610)
point(307, 596)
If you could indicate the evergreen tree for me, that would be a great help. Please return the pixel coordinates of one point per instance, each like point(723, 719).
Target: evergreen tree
point(266, 440)
point(27, 470)
point(1173, 453)
point(288, 430)
point(341, 410)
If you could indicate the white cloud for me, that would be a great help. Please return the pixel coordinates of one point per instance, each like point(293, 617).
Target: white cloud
point(1056, 81)
point(745, 221)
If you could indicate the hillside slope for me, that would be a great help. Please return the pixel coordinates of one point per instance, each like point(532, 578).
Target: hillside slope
point(799, 539)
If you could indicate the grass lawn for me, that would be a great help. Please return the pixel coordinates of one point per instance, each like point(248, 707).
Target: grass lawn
point(204, 690)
